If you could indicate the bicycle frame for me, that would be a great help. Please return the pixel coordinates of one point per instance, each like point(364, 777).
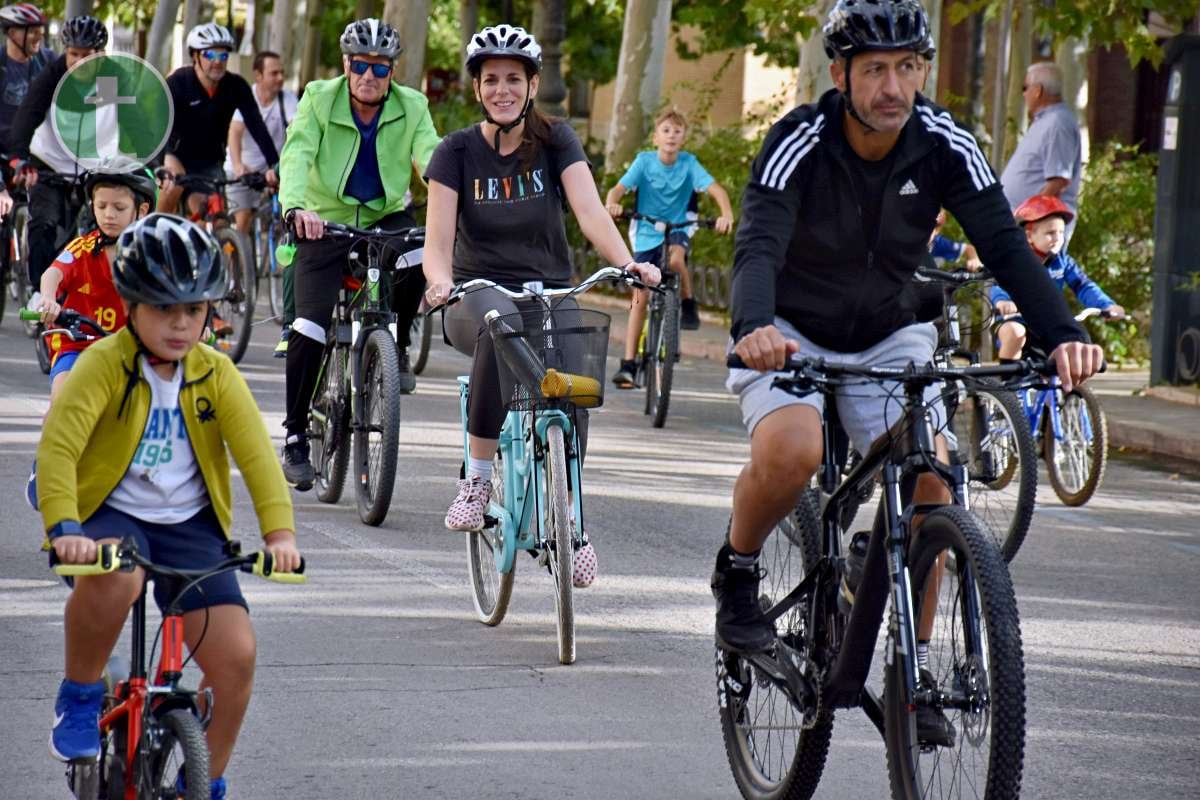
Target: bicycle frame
point(1046, 401)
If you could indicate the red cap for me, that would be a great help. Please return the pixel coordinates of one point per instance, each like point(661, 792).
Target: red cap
point(1041, 206)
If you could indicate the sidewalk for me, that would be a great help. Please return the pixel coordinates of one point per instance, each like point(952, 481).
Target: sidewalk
point(1160, 421)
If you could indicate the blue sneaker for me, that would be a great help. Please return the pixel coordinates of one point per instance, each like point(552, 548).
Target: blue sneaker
point(217, 787)
point(76, 734)
point(31, 487)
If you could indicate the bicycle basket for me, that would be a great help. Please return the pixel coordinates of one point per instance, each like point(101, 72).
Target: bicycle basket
point(551, 359)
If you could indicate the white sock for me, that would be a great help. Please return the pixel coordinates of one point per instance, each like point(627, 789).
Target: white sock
point(479, 468)
point(923, 655)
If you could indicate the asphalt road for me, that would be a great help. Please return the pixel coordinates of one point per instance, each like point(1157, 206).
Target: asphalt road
point(375, 680)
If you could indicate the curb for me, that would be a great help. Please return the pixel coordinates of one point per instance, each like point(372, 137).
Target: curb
point(1151, 440)
point(1182, 395)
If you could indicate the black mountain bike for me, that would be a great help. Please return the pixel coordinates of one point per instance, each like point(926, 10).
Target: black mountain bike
point(777, 708)
point(358, 390)
point(658, 346)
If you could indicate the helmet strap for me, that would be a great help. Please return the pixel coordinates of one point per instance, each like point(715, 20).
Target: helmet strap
point(508, 127)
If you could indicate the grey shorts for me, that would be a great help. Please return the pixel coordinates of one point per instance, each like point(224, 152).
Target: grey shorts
point(240, 196)
point(867, 410)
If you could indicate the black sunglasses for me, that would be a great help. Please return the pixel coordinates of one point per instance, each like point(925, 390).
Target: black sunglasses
point(378, 70)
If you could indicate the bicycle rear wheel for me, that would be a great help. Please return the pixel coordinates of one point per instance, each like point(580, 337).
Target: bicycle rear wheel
point(491, 589)
point(667, 349)
point(975, 661)
point(560, 542)
point(771, 752)
point(376, 446)
point(237, 307)
point(650, 354)
point(329, 426)
point(993, 432)
point(180, 747)
point(422, 337)
point(1076, 463)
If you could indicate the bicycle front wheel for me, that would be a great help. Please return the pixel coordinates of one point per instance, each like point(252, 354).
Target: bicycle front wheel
point(376, 445)
point(19, 268)
point(236, 309)
point(1001, 464)
point(773, 752)
point(180, 747)
point(668, 351)
point(422, 337)
point(1075, 462)
point(650, 354)
point(559, 540)
point(490, 589)
point(976, 673)
point(329, 427)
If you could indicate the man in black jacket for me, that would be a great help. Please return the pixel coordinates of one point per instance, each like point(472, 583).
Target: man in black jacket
point(838, 213)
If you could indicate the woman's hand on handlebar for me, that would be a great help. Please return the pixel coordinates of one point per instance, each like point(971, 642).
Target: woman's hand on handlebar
point(765, 349)
point(308, 224)
point(438, 293)
point(646, 273)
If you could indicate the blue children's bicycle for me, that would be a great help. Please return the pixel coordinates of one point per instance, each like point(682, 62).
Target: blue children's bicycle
point(552, 366)
point(268, 232)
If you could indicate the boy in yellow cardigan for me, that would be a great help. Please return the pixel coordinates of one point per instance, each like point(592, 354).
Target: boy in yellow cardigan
point(136, 446)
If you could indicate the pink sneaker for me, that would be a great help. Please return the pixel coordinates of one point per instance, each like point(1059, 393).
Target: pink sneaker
point(583, 567)
point(466, 512)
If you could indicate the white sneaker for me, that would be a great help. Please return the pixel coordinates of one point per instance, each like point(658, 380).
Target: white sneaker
point(466, 512)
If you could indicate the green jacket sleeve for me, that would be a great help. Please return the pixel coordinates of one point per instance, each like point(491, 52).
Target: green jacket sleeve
point(299, 154)
point(425, 140)
point(246, 435)
point(65, 434)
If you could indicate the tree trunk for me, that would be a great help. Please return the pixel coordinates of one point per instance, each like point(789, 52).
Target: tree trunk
point(310, 57)
point(639, 78)
point(977, 60)
point(1000, 84)
point(468, 24)
point(814, 78)
point(251, 33)
point(191, 18)
point(364, 9)
point(77, 8)
point(550, 26)
point(411, 19)
point(1019, 60)
point(1071, 57)
point(280, 30)
point(934, 7)
point(159, 41)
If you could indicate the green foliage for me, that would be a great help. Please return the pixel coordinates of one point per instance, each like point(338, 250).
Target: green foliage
point(1103, 22)
point(592, 48)
point(1114, 242)
point(770, 27)
point(443, 50)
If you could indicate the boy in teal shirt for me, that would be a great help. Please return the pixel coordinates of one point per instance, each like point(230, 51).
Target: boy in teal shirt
point(665, 180)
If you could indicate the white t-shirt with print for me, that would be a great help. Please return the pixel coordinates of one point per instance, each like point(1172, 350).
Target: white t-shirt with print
point(163, 483)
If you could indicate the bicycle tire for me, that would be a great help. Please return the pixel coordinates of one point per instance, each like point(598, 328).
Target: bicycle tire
point(8, 289)
point(42, 348)
point(649, 354)
point(791, 549)
point(668, 350)
point(237, 307)
point(180, 728)
point(380, 390)
point(917, 771)
point(1094, 453)
point(329, 437)
point(491, 590)
point(422, 334)
point(19, 268)
point(560, 541)
point(1001, 465)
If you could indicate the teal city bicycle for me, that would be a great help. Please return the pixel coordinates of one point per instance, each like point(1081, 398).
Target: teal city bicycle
point(549, 373)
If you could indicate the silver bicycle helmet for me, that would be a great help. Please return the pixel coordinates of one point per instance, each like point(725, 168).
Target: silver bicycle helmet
point(370, 37)
point(209, 34)
point(503, 41)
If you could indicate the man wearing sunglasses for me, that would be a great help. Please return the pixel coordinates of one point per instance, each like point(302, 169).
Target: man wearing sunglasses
point(206, 95)
point(349, 158)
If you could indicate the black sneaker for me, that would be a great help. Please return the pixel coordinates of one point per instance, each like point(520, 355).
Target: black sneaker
point(624, 379)
point(741, 626)
point(408, 379)
point(933, 728)
point(689, 317)
point(296, 467)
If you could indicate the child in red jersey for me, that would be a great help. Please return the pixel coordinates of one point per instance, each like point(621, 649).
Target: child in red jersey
point(81, 277)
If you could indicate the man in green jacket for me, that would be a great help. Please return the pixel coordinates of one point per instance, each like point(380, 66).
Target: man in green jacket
point(349, 157)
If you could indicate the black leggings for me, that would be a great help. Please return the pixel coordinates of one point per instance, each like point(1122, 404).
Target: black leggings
point(468, 334)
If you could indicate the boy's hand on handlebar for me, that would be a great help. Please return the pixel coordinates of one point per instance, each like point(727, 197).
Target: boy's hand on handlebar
point(723, 225)
point(49, 310)
point(1006, 307)
point(646, 273)
point(765, 349)
point(1114, 312)
point(1076, 362)
point(308, 224)
point(74, 549)
point(281, 544)
point(615, 209)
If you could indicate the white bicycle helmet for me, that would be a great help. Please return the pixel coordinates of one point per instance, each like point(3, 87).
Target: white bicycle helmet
point(370, 37)
point(210, 34)
point(21, 15)
point(503, 41)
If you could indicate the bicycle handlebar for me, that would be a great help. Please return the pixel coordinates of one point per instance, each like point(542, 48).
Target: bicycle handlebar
point(70, 323)
point(957, 277)
point(607, 274)
point(664, 226)
point(819, 371)
point(124, 556)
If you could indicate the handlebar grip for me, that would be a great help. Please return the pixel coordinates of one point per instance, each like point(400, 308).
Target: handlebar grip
point(29, 315)
point(106, 562)
point(264, 567)
point(734, 361)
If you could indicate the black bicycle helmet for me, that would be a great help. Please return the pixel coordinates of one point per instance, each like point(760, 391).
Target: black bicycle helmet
point(503, 41)
point(84, 32)
point(163, 259)
point(370, 37)
point(856, 26)
point(123, 172)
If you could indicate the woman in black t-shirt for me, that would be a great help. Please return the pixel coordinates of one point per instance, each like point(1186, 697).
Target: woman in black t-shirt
point(496, 192)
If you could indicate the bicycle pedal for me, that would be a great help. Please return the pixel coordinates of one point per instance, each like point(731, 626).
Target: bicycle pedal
point(489, 521)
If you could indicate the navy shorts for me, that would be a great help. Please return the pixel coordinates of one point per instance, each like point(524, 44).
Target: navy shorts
point(193, 544)
point(652, 255)
point(63, 363)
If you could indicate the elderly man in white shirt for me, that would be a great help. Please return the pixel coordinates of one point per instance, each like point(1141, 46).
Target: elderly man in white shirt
point(277, 107)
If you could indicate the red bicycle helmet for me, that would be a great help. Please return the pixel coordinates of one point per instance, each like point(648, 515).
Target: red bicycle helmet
point(1041, 206)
